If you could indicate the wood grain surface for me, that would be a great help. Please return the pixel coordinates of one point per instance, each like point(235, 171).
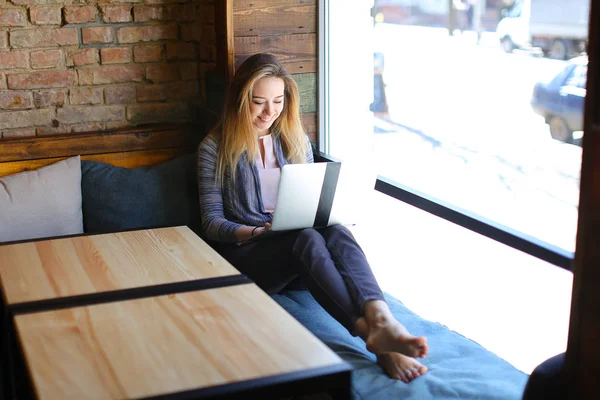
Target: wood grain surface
point(47, 269)
point(310, 122)
point(165, 344)
point(297, 53)
point(128, 159)
point(272, 17)
point(67, 145)
point(131, 147)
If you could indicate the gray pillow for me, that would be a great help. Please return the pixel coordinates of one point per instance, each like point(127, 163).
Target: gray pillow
point(117, 198)
point(42, 203)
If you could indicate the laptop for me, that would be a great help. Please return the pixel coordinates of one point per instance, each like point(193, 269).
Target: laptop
point(316, 195)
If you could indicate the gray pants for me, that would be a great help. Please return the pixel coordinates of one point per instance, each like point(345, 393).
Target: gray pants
point(328, 261)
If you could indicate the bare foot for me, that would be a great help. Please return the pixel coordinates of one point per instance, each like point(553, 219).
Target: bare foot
point(361, 328)
point(401, 367)
point(393, 337)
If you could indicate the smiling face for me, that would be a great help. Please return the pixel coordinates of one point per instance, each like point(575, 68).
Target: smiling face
point(267, 103)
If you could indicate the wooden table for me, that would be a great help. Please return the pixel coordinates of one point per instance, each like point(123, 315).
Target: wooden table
point(153, 313)
point(47, 274)
point(199, 344)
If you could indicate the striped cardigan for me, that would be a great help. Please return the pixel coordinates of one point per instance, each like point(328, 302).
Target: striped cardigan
point(225, 206)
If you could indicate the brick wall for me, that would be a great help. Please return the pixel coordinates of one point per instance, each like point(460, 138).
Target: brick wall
point(87, 65)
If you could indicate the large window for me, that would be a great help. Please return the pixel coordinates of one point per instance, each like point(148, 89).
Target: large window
point(472, 112)
point(470, 109)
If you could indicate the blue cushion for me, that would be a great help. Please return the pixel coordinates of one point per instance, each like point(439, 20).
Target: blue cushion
point(117, 198)
point(459, 368)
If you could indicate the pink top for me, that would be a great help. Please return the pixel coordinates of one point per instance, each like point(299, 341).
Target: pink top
point(268, 172)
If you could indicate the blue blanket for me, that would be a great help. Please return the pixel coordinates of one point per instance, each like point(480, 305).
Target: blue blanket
point(459, 368)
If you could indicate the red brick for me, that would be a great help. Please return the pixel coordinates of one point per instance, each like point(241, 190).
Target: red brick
point(151, 53)
point(188, 71)
point(42, 79)
point(46, 58)
point(181, 12)
point(2, 81)
point(74, 115)
point(45, 15)
point(14, 100)
point(44, 37)
point(164, 1)
point(208, 14)
point(76, 57)
point(14, 133)
point(97, 34)
point(79, 15)
point(153, 33)
point(181, 51)
point(13, 59)
point(116, 14)
point(26, 119)
point(3, 39)
point(162, 72)
point(85, 95)
point(151, 93)
point(51, 130)
point(207, 52)
point(12, 17)
point(208, 33)
point(149, 13)
point(183, 90)
point(49, 98)
point(119, 94)
point(112, 74)
point(38, 2)
point(117, 125)
point(161, 112)
point(93, 127)
point(115, 55)
point(191, 33)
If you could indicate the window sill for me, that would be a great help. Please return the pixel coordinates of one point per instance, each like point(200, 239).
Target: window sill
point(513, 304)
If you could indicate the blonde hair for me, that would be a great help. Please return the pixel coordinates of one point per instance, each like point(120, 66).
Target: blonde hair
point(236, 126)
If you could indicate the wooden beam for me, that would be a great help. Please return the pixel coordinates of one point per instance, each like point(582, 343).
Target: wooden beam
point(224, 34)
point(37, 147)
point(129, 159)
point(583, 349)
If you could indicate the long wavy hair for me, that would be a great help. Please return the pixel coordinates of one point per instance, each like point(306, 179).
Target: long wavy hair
point(236, 126)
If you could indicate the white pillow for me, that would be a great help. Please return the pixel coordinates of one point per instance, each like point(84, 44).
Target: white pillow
point(42, 203)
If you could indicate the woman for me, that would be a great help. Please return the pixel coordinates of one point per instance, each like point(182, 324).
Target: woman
point(238, 170)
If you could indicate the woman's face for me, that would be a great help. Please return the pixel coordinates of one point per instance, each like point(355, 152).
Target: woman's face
point(267, 103)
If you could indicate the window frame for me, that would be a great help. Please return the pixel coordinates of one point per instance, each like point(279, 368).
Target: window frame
point(464, 218)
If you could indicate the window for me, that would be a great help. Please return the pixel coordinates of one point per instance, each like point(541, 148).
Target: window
point(452, 122)
point(481, 127)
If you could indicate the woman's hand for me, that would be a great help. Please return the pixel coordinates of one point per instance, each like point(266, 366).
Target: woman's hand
point(261, 229)
point(246, 232)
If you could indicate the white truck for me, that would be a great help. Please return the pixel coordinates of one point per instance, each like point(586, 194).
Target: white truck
point(559, 28)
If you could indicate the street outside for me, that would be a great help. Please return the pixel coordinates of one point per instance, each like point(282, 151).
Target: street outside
point(460, 129)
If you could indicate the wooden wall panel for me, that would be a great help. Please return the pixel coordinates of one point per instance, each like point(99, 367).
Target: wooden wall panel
point(307, 83)
point(129, 148)
point(309, 121)
point(99, 142)
point(127, 159)
point(285, 28)
point(296, 52)
point(267, 17)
